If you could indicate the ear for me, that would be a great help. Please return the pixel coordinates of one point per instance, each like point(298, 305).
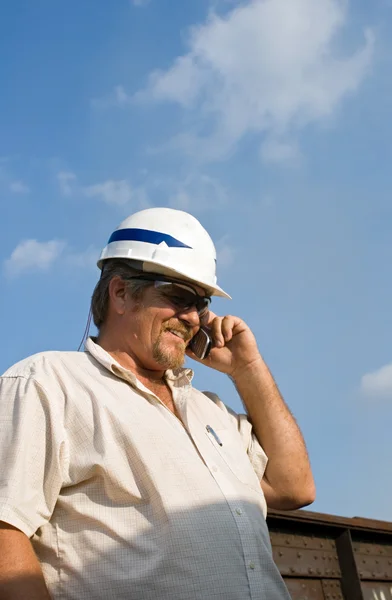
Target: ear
point(117, 295)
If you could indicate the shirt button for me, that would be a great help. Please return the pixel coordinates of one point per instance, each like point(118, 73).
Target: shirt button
point(252, 565)
point(238, 511)
point(215, 469)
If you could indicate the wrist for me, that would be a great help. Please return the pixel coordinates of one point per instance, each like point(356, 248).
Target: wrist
point(244, 371)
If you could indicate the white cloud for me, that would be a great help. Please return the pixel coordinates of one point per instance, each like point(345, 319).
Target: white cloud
point(181, 200)
point(112, 192)
point(87, 259)
point(18, 187)
point(118, 192)
point(117, 98)
point(197, 192)
point(120, 96)
point(378, 384)
point(278, 151)
point(140, 198)
point(66, 181)
point(33, 255)
point(268, 67)
point(7, 181)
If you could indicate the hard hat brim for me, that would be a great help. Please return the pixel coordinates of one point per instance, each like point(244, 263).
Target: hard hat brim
point(161, 269)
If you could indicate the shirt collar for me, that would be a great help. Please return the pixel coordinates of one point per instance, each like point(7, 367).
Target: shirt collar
point(179, 377)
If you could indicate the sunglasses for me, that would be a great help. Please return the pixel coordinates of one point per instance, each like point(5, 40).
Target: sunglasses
point(181, 296)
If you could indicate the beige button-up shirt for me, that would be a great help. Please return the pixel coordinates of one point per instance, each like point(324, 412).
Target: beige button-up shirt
point(120, 498)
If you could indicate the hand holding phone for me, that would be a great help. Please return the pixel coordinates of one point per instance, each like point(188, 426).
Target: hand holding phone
point(228, 343)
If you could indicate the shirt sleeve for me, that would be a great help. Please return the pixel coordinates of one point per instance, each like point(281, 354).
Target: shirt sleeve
point(255, 452)
point(32, 453)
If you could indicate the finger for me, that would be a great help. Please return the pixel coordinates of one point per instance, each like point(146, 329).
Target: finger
point(208, 318)
point(216, 332)
point(227, 327)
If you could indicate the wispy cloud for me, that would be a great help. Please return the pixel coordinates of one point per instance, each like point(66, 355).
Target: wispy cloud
point(111, 191)
point(279, 151)
point(120, 96)
point(86, 259)
point(8, 181)
point(117, 98)
point(66, 181)
point(195, 192)
point(33, 255)
point(378, 384)
point(114, 192)
point(265, 68)
point(18, 187)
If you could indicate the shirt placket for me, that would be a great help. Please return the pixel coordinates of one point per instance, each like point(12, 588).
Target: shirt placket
point(238, 508)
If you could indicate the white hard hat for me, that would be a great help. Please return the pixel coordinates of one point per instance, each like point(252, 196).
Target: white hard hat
point(168, 242)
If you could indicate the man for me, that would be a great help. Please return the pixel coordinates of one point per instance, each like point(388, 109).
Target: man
point(119, 479)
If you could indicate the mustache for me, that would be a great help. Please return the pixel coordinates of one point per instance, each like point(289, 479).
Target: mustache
point(180, 328)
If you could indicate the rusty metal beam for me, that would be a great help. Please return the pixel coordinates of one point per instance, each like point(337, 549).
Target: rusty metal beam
point(305, 516)
point(331, 558)
point(351, 584)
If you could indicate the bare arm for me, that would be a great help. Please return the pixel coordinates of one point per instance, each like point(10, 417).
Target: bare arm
point(20, 572)
point(288, 481)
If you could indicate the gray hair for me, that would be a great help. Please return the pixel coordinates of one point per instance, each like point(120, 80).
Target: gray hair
point(114, 267)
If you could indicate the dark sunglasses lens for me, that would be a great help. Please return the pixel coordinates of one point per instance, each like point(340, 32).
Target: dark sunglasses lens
point(179, 296)
point(184, 299)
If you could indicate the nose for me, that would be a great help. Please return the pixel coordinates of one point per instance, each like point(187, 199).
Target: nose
point(189, 316)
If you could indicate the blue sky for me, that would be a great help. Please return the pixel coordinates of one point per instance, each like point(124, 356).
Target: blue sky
point(269, 121)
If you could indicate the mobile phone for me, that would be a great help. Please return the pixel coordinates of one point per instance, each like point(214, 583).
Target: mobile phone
point(201, 343)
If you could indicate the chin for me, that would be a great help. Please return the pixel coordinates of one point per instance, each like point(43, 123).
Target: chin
point(173, 363)
point(168, 359)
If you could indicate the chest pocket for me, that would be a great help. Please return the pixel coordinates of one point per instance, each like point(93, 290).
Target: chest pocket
point(229, 447)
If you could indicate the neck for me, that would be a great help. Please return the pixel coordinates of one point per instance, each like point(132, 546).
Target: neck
point(127, 359)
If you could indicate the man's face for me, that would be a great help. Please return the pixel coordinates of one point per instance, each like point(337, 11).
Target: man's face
point(159, 331)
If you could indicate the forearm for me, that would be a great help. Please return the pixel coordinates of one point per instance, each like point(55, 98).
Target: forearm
point(20, 572)
point(288, 480)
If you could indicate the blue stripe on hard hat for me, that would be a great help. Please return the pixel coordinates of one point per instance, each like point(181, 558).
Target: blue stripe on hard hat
point(146, 235)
